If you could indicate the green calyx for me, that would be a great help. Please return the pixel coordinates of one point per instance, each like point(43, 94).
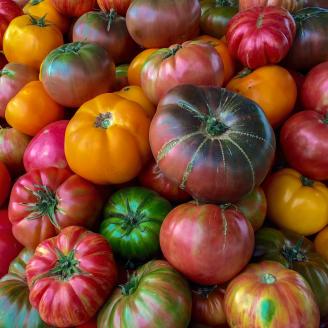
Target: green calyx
point(259, 21)
point(74, 47)
point(246, 71)
point(7, 72)
point(225, 3)
point(204, 291)
point(294, 253)
point(104, 120)
point(214, 127)
point(35, 2)
point(268, 279)
point(325, 120)
point(133, 218)
point(110, 17)
point(41, 22)
point(306, 181)
point(66, 267)
point(172, 51)
point(131, 286)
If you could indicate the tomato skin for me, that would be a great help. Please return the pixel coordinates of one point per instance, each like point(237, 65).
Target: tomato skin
point(73, 8)
point(205, 242)
point(90, 324)
point(5, 183)
point(90, 257)
point(304, 138)
point(290, 5)
point(121, 77)
point(320, 243)
point(261, 36)
point(255, 299)
point(70, 200)
point(121, 6)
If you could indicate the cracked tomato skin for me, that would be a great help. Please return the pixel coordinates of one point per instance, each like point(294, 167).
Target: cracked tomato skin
point(70, 276)
point(207, 243)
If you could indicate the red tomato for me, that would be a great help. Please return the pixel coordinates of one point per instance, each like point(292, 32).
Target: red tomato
point(121, 6)
point(70, 276)
point(73, 7)
point(5, 183)
point(261, 36)
point(90, 324)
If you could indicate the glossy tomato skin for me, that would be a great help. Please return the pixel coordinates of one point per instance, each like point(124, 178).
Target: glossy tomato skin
point(269, 294)
point(157, 286)
point(261, 36)
point(314, 93)
point(73, 8)
point(89, 268)
point(77, 72)
point(176, 65)
point(16, 310)
point(37, 155)
point(121, 6)
point(208, 244)
point(213, 160)
point(70, 200)
point(297, 253)
point(152, 177)
point(304, 139)
point(109, 31)
point(151, 29)
point(5, 183)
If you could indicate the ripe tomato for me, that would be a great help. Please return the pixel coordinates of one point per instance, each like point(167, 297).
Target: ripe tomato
point(321, 242)
point(74, 8)
point(121, 6)
point(5, 183)
point(290, 5)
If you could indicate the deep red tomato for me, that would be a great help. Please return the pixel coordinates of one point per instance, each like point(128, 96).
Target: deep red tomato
point(121, 6)
point(261, 35)
point(314, 93)
point(43, 202)
point(9, 246)
point(5, 183)
point(73, 7)
point(207, 243)
point(70, 276)
point(304, 140)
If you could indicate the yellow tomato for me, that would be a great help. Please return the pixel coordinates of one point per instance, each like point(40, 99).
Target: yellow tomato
point(296, 203)
point(29, 40)
point(321, 243)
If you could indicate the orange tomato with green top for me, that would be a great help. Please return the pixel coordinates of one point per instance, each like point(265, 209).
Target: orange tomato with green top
point(321, 243)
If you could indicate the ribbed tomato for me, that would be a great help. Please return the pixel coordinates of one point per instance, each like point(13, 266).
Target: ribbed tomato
point(290, 5)
point(74, 8)
point(121, 6)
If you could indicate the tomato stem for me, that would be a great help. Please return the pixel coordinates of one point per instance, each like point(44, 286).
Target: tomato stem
point(306, 181)
point(111, 16)
point(7, 72)
point(131, 286)
point(172, 51)
point(204, 291)
point(35, 2)
point(325, 120)
point(41, 22)
point(259, 21)
point(246, 71)
point(294, 254)
point(214, 127)
point(104, 120)
point(268, 279)
point(225, 3)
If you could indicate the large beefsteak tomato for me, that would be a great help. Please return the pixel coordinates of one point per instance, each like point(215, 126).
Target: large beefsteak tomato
point(213, 143)
point(70, 276)
point(43, 202)
point(74, 8)
point(5, 183)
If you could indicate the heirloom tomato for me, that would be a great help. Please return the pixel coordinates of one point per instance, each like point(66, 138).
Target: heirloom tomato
point(121, 6)
point(28, 40)
point(15, 308)
point(296, 203)
point(70, 276)
point(297, 253)
point(209, 244)
point(269, 295)
point(77, 72)
point(211, 142)
point(271, 87)
point(43, 202)
point(74, 8)
point(261, 36)
point(290, 5)
point(32, 109)
point(110, 128)
point(321, 242)
point(155, 296)
point(5, 183)
point(176, 65)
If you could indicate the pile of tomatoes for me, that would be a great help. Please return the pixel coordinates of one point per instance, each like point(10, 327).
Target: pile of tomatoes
point(164, 164)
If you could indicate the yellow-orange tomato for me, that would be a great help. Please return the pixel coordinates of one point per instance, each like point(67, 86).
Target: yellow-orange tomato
point(221, 47)
point(296, 203)
point(32, 109)
point(107, 140)
point(29, 40)
point(41, 8)
point(135, 93)
point(321, 243)
point(271, 87)
point(136, 65)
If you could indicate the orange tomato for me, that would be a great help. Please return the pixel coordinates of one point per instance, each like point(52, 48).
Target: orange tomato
point(271, 87)
point(136, 65)
point(222, 48)
point(32, 109)
point(44, 8)
point(29, 40)
point(321, 243)
point(107, 140)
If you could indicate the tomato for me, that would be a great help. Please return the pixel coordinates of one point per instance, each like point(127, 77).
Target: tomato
point(271, 87)
point(320, 243)
point(214, 160)
point(293, 201)
point(90, 324)
point(121, 77)
point(37, 155)
point(111, 128)
point(41, 8)
point(297, 253)
point(314, 93)
point(29, 40)
point(21, 3)
point(121, 6)
point(70, 276)
point(229, 65)
point(261, 36)
point(77, 72)
point(151, 29)
point(207, 243)
point(304, 139)
point(152, 177)
point(254, 207)
point(74, 8)
point(12, 147)
point(12, 78)
point(32, 102)
point(157, 290)
point(5, 183)
point(43, 202)
point(109, 31)
point(310, 46)
point(269, 295)
point(16, 310)
point(290, 5)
